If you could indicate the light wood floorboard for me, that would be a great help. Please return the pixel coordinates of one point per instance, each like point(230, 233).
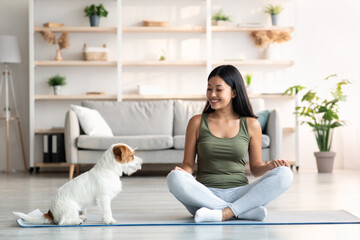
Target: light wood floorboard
point(309, 191)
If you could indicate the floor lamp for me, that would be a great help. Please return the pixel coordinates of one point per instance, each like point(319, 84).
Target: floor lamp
point(10, 53)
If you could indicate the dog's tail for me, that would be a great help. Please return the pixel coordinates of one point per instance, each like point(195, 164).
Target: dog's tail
point(46, 218)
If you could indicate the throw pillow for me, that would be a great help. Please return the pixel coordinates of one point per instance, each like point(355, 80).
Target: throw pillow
point(92, 122)
point(263, 118)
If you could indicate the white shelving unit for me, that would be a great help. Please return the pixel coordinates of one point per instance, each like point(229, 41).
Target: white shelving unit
point(39, 63)
point(125, 64)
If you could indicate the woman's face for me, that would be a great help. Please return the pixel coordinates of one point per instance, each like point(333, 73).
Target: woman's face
point(218, 93)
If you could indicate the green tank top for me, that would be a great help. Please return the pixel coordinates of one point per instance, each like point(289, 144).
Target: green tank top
point(221, 161)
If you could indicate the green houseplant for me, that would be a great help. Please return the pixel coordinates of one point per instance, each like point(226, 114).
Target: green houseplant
point(56, 82)
point(94, 13)
point(321, 115)
point(220, 18)
point(248, 79)
point(274, 11)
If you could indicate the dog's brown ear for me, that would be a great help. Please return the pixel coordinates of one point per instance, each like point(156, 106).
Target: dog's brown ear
point(122, 154)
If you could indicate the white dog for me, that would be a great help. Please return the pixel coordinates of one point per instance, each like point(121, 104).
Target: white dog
point(95, 187)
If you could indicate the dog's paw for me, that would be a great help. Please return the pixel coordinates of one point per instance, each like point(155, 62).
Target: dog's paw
point(83, 218)
point(110, 221)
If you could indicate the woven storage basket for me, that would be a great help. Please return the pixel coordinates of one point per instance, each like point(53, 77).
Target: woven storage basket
point(95, 54)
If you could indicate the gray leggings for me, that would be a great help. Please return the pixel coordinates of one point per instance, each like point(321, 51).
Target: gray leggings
point(194, 195)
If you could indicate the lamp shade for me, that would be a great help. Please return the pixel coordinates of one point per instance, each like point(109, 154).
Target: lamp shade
point(9, 50)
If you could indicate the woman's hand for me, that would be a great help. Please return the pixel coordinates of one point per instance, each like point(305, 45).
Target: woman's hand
point(178, 168)
point(277, 163)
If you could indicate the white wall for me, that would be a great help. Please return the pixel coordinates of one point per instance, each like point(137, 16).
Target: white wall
point(14, 21)
point(326, 41)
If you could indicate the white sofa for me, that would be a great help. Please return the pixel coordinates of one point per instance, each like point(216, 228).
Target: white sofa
point(155, 128)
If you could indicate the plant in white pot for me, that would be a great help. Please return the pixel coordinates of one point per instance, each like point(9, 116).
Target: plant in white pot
point(220, 19)
point(56, 82)
point(248, 79)
point(321, 115)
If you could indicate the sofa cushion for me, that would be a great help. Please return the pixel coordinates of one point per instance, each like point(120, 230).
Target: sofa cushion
point(179, 141)
point(265, 141)
point(183, 111)
point(263, 119)
point(133, 118)
point(143, 142)
point(91, 122)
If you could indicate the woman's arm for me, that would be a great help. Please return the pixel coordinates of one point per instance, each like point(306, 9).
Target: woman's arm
point(192, 133)
point(257, 167)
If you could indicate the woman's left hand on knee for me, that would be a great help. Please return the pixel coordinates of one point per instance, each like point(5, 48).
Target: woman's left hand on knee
point(278, 163)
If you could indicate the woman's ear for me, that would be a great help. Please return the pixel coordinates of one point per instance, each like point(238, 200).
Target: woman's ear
point(233, 93)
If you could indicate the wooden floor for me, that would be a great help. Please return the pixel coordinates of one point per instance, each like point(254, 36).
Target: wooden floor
point(309, 191)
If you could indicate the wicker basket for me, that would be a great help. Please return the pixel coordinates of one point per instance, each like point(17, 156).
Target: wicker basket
point(95, 54)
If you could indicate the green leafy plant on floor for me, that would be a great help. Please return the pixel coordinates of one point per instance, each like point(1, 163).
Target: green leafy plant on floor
point(57, 80)
point(319, 113)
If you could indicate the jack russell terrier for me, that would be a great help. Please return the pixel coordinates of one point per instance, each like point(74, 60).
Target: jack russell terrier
point(95, 187)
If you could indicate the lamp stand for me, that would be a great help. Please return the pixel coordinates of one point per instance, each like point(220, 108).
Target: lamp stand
point(7, 78)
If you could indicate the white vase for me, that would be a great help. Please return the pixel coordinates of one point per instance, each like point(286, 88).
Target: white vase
point(57, 90)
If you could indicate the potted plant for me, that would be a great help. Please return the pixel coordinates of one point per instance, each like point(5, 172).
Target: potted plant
point(321, 115)
point(220, 19)
point(274, 11)
point(56, 82)
point(248, 79)
point(94, 13)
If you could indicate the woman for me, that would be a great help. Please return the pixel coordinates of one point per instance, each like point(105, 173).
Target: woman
point(221, 138)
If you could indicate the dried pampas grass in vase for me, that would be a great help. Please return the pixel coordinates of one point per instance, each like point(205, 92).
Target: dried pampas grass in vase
point(61, 43)
point(263, 39)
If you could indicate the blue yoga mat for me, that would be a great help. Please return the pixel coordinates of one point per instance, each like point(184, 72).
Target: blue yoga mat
point(164, 219)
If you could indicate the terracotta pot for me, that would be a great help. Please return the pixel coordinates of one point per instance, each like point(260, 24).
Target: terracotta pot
point(325, 161)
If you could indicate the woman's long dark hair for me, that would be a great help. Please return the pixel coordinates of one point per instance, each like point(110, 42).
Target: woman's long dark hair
point(233, 78)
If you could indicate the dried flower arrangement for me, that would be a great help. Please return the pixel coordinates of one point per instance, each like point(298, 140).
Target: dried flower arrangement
point(61, 43)
point(262, 39)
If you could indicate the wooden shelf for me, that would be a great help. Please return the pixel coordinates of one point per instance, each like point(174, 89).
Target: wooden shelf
point(49, 131)
point(200, 29)
point(75, 97)
point(249, 29)
point(147, 97)
point(162, 97)
point(78, 29)
point(270, 95)
point(141, 29)
point(76, 63)
point(256, 62)
point(164, 63)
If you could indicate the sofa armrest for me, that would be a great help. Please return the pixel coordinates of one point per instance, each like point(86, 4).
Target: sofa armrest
point(71, 133)
point(274, 131)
